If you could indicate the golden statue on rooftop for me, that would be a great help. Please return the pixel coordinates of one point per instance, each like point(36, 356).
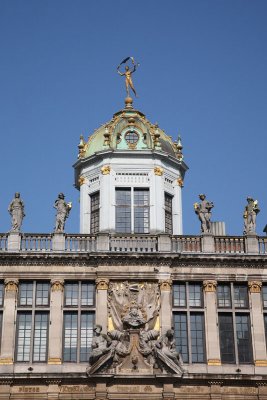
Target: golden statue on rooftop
point(128, 74)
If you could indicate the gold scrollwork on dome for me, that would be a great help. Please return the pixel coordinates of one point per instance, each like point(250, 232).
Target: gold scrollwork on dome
point(11, 285)
point(254, 286)
point(102, 283)
point(209, 286)
point(105, 170)
point(158, 171)
point(57, 285)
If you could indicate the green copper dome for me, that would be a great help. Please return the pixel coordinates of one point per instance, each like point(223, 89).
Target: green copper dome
point(129, 130)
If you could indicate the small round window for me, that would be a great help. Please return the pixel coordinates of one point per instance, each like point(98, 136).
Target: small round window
point(131, 137)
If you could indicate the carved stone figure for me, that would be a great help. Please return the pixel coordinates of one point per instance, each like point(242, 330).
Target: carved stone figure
point(134, 315)
point(16, 210)
point(166, 344)
point(203, 210)
point(63, 210)
point(99, 345)
point(250, 214)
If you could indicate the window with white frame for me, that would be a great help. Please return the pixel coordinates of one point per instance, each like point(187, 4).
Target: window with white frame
point(132, 210)
point(32, 321)
point(79, 317)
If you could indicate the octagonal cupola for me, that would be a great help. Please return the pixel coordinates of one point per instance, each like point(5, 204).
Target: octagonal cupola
point(130, 174)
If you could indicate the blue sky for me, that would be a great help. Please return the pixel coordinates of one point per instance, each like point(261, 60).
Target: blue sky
point(203, 71)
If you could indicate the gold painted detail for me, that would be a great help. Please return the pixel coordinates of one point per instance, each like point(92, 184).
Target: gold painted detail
point(165, 285)
point(209, 286)
point(6, 361)
point(180, 182)
point(106, 137)
point(158, 171)
point(11, 285)
point(214, 361)
point(77, 388)
point(102, 283)
point(81, 147)
point(261, 363)
point(254, 286)
point(105, 170)
point(57, 285)
point(54, 360)
point(82, 180)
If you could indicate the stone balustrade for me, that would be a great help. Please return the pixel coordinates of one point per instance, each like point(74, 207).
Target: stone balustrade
point(137, 243)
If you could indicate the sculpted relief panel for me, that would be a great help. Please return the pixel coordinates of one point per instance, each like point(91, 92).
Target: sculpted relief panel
point(134, 346)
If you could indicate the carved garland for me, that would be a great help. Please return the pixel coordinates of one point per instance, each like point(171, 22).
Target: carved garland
point(254, 286)
point(209, 286)
point(102, 283)
point(165, 285)
point(11, 285)
point(57, 285)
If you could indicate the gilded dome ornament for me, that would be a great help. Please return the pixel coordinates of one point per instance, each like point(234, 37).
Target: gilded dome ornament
point(128, 76)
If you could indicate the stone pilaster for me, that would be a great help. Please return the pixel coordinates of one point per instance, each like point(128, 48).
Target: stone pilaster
point(252, 243)
point(257, 323)
point(208, 243)
point(212, 334)
point(102, 303)
point(14, 241)
point(56, 322)
point(58, 242)
point(9, 327)
point(166, 305)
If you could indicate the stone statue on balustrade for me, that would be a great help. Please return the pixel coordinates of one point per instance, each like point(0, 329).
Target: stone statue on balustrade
point(63, 210)
point(203, 210)
point(16, 210)
point(250, 213)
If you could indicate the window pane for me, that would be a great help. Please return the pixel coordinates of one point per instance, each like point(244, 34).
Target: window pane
point(40, 337)
point(71, 294)
point(168, 213)
point(1, 294)
point(243, 338)
point(25, 293)
point(123, 210)
point(197, 338)
point(195, 295)
point(180, 332)
point(265, 324)
point(88, 293)
point(1, 320)
point(227, 344)
point(264, 296)
point(179, 295)
point(87, 323)
point(95, 212)
point(224, 295)
point(141, 211)
point(42, 293)
point(24, 328)
point(70, 337)
point(241, 296)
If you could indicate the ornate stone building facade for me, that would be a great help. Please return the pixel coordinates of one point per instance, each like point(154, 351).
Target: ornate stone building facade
point(130, 308)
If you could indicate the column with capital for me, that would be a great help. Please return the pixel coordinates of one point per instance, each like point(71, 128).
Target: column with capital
point(102, 303)
point(257, 324)
point(165, 305)
point(212, 333)
point(56, 322)
point(9, 326)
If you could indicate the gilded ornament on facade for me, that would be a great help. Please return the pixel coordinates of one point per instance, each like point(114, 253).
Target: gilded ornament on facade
point(209, 286)
point(6, 361)
point(158, 171)
point(57, 285)
point(54, 361)
point(165, 285)
point(102, 283)
point(11, 285)
point(81, 180)
point(180, 182)
point(81, 147)
point(105, 170)
point(214, 361)
point(260, 363)
point(254, 286)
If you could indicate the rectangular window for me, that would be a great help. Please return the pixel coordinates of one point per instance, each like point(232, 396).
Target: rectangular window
point(180, 329)
point(227, 342)
point(132, 210)
point(264, 296)
point(123, 210)
point(188, 321)
point(243, 338)
point(2, 290)
point(32, 321)
point(95, 204)
point(79, 315)
point(241, 296)
point(197, 338)
point(168, 213)
point(224, 295)
point(234, 323)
